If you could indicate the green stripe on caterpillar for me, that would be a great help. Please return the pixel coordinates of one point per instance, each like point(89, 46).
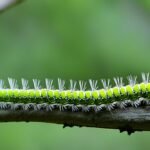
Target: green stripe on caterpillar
point(94, 96)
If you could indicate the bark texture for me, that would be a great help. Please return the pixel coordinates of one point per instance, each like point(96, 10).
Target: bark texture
point(129, 119)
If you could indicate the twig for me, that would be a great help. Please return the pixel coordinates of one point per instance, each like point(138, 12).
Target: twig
point(5, 4)
point(129, 119)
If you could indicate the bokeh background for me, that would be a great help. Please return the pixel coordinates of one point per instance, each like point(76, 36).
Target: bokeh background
point(73, 39)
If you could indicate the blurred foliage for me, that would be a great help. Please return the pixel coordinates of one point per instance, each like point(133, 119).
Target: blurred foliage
point(78, 39)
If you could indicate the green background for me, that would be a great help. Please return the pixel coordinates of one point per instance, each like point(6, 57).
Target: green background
point(73, 39)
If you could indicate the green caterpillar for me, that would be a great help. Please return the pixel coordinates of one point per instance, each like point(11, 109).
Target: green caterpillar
point(82, 97)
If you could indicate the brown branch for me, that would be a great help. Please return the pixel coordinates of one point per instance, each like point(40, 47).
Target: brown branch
point(129, 119)
point(5, 4)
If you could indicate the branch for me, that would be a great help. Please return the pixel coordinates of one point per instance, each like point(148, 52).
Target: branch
point(5, 4)
point(129, 119)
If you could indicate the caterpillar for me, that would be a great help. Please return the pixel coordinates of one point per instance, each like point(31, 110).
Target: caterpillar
point(95, 99)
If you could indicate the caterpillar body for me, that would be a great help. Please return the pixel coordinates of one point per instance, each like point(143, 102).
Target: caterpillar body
point(134, 94)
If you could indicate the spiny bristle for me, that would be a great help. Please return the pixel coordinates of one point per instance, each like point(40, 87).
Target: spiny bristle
point(49, 84)
point(145, 77)
point(73, 85)
point(82, 85)
point(132, 80)
point(106, 83)
point(13, 83)
point(1, 84)
point(61, 84)
point(93, 84)
point(119, 81)
point(36, 84)
point(25, 85)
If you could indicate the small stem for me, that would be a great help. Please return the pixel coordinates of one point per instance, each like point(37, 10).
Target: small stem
point(128, 119)
point(5, 4)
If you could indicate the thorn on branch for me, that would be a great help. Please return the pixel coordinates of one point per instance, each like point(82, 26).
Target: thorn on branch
point(71, 125)
point(128, 129)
